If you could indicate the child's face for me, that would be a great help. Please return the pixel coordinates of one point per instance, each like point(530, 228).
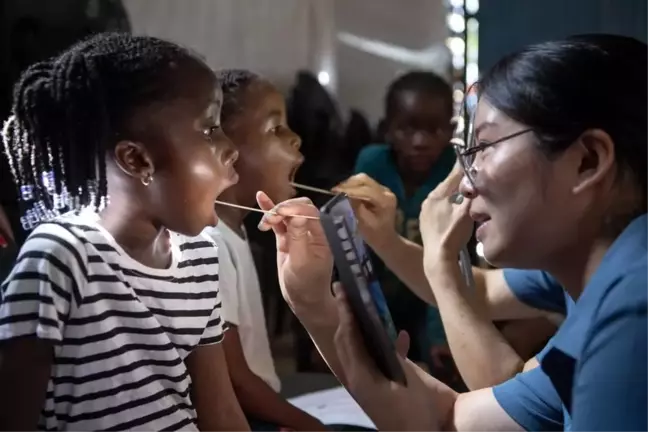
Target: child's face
point(419, 129)
point(268, 148)
point(190, 159)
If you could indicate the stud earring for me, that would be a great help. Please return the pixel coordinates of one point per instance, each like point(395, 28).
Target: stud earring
point(148, 179)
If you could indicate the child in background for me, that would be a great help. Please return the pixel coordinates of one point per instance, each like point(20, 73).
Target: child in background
point(110, 319)
point(415, 158)
point(254, 117)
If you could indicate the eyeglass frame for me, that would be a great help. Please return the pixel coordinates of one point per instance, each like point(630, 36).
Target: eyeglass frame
point(463, 151)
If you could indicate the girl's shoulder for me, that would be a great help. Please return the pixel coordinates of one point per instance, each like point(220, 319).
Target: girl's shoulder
point(203, 243)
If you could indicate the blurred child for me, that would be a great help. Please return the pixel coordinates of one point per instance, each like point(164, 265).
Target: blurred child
point(415, 157)
point(254, 118)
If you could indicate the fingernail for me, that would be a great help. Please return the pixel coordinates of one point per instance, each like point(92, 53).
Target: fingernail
point(336, 289)
point(262, 225)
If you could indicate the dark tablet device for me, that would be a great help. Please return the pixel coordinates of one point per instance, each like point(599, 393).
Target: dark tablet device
point(353, 269)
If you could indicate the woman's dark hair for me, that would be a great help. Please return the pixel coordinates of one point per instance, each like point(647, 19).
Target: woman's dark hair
point(69, 111)
point(234, 82)
point(560, 89)
point(420, 81)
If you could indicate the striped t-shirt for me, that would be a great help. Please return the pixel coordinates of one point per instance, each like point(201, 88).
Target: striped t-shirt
point(121, 330)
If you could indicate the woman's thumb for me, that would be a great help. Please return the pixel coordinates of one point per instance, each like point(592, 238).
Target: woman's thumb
point(402, 343)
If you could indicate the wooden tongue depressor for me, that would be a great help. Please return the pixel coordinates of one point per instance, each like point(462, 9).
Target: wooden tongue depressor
point(261, 211)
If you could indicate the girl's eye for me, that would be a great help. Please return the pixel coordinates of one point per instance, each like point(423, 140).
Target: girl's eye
point(276, 129)
point(209, 132)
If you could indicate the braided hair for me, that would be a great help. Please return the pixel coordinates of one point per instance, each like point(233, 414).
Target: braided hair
point(233, 83)
point(69, 111)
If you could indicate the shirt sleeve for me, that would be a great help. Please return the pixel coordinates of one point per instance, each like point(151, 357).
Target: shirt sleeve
point(536, 289)
point(531, 401)
point(44, 285)
point(610, 383)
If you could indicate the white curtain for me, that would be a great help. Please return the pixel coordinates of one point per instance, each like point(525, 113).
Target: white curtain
point(272, 37)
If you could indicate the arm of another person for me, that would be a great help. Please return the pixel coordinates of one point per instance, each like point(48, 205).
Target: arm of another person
point(212, 392)
point(34, 300)
point(405, 259)
point(610, 384)
point(483, 355)
point(256, 397)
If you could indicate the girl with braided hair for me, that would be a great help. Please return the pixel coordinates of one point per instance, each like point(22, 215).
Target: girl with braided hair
point(110, 319)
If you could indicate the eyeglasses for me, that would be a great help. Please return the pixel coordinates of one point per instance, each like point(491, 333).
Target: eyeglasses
point(467, 149)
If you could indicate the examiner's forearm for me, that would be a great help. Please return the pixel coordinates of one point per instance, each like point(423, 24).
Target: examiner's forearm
point(482, 355)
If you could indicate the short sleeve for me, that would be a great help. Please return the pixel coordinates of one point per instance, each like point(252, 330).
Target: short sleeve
point(44, 285)
point(228, 283)
point(531, 401)
point(537, 289)
point(610, 383)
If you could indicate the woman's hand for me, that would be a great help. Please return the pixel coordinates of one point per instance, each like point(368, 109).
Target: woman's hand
point(374, 206)
point(391, 406)
point(444, 221)
point(304, 260)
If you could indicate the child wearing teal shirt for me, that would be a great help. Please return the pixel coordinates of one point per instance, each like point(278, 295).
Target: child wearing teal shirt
point(414, 159)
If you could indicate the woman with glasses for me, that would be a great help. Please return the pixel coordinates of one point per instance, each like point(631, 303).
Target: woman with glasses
point(512, 313)
point(555, 178)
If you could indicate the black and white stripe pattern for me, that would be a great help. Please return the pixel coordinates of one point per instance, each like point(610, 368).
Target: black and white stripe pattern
point(121, 330)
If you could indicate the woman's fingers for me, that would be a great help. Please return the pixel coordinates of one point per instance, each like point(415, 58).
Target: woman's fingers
point(354, 181)
point(278, 213)
point(402, 343)
point(450, 184)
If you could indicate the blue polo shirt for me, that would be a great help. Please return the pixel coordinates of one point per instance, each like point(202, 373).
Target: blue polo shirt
point(530, 398)
point(539, 289)
point(593, 371)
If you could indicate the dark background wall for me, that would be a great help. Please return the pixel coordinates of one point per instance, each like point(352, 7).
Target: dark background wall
point(506, 25)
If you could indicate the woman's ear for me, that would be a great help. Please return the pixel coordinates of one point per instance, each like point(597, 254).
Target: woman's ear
point(595, 156)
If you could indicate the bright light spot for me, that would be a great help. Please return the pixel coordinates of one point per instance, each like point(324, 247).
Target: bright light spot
point(456, 45)
point(472, 73)
point(458, 62)
point(456, 22)
point(324, 78)
point(473, 25)
point(472, 6)
point(480, 250)
point(457, 96)
point(456, 3)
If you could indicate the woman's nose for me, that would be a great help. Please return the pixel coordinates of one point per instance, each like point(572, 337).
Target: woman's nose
point(466, 188)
